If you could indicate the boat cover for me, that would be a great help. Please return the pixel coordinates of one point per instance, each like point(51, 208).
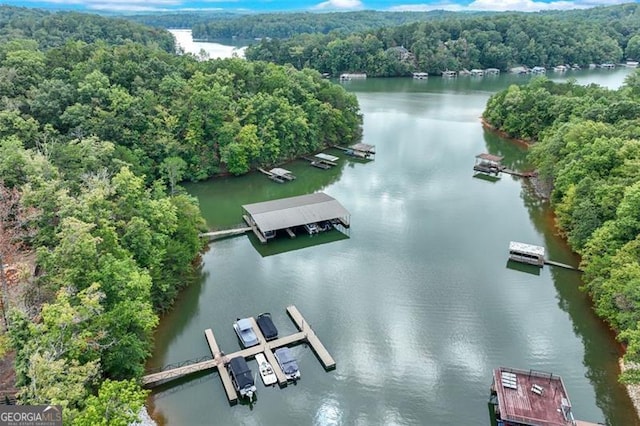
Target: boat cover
point(241, 372)
point(286, 360)
point(267, 327)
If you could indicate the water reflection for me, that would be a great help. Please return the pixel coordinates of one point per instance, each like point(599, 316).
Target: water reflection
point(416, 307)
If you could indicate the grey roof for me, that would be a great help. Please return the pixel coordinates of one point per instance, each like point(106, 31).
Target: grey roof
point(295, 211)
point(279, 171)
point(526, 248)
point(327, 157)
point(364, 147)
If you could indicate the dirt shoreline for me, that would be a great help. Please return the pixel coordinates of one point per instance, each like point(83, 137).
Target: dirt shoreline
point(632, 389)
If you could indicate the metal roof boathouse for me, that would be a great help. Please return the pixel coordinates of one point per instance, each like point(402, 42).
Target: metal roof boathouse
point(283, 214)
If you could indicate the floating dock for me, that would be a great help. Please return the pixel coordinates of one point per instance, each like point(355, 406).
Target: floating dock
point(323, 161)
point(534, 255)
point(220, 360)
point(278, 174)
point(529, 397)
point(490, 164)
point(360, 150)
point(521, 397)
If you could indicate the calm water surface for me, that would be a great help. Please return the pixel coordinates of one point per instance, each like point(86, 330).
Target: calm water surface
point(418, 304)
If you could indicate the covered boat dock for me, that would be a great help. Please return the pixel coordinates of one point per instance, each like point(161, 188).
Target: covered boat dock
point(488, 163)
point(270, 216)
point(324, 161)
point(526, 253)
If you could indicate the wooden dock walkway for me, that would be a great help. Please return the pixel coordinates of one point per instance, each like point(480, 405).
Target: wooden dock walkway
point(225, 233)
point(220, 360)
point(222, 370)
point(255, 230)
point(562, 265)
point(325, 358)
point(519, 174)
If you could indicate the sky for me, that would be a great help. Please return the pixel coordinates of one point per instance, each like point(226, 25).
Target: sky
point(260, 6)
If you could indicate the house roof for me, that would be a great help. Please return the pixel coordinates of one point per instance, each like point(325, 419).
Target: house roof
point(526, 248)
point(295, 211)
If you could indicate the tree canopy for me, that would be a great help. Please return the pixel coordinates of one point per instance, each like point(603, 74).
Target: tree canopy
point(99, 123)
point(459, 41)
point(588, 149)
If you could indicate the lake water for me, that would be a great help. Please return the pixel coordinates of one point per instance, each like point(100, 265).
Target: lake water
point(417, 304)
point(185, 41)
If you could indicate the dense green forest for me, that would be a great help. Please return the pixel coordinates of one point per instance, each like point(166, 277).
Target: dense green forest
point(218, 25)
point(453, 43)
point(588, 150)
point(55, 29)
point(182, 20)
point(96, 237)
point(285, 25)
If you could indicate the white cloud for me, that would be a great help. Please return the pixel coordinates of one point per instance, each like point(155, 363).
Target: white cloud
point(507, 5)
point(339, 4)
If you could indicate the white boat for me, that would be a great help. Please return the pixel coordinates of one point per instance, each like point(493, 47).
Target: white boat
point(266, 372)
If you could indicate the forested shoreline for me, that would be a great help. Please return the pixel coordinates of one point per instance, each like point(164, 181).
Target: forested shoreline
point(100, 121)
point(599, 35)
point(586, 146)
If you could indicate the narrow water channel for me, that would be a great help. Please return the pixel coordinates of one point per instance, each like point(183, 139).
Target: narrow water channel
point(417, 304)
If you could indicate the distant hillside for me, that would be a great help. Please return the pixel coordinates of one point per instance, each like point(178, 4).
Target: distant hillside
point(213, 26)
point(52, 29)
point(459, 41)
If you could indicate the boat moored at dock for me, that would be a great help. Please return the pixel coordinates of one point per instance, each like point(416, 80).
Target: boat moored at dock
point(245, 332)
point(242, 377)
point(266, 371)
point(266, 326)
point(287, 363)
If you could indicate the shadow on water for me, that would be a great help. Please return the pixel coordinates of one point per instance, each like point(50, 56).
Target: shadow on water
point(523, 267)
point(602, 367)
point(487, 178)
point(176, 322)
point(283, 244)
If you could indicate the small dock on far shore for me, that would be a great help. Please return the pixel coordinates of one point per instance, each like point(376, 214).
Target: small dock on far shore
point(323, 161)
point(278, 174)
point(360, 150)
point(220, 359)
point(490, 164)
